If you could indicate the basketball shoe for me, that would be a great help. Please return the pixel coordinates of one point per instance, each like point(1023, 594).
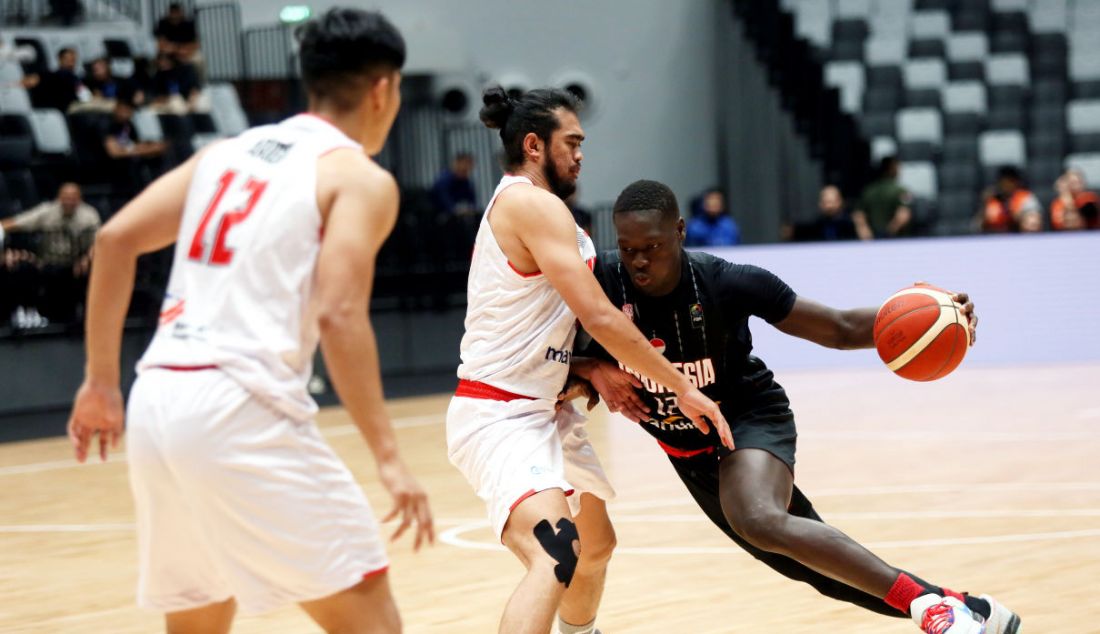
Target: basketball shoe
point(1001, 620)
point(938, 615)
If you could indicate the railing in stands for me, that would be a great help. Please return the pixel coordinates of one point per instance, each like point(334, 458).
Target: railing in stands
point(269, 52)
point(219, 27)
point(53, 13)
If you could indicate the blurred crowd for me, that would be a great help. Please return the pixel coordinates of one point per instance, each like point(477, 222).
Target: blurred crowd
point(168, 83)
point(1008, 205)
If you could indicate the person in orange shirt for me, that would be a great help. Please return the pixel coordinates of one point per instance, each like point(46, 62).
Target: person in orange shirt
point(1006, 205)
point(1075, 207)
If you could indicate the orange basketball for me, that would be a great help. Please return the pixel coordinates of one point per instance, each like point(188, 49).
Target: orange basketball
point(921, 333)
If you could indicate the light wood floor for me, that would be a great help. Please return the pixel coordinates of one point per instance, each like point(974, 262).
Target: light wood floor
point(988, 481)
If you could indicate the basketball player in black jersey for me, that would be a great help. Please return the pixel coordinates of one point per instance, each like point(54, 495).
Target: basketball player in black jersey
point(696, 307)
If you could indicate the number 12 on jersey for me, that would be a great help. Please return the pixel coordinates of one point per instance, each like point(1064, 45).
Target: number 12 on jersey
point(219, 253)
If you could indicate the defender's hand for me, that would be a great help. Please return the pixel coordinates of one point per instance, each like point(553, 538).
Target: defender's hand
point(697, 407)
point(576, 387)
point(617, 387)
point(409, 501)
point(97, 410)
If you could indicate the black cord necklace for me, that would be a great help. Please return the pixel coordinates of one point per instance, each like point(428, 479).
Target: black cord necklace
point(695, 311)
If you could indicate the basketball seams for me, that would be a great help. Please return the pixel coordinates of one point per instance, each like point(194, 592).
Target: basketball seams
point(908, 312)
point(945, 319)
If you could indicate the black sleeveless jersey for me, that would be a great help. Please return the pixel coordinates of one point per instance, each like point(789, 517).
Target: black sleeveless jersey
point(702, 328)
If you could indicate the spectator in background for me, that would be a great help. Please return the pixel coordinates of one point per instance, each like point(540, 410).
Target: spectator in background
point(1009, 205)
point(884, 204)
point(106, 88)
point(177, 36)
point(832, 223)
point(60, 88)
point(453, 190)
point(711, 224)
point(135, 162)
point(1075, 207)
point(174, 86)
point(55, 276)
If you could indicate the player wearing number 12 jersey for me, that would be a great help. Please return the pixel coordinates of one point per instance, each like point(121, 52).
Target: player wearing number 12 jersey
point(238, 499)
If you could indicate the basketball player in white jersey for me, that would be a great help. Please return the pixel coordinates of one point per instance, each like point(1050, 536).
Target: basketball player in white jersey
point(530, 282)
point(239, 501)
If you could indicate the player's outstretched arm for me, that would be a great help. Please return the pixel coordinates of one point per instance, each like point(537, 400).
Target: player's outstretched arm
point(546, 229)
point(359, 201)
point(147, 223)
point(829, 327)
point(848, 329)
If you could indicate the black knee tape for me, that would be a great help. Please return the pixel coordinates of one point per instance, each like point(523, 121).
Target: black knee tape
point(559, 545)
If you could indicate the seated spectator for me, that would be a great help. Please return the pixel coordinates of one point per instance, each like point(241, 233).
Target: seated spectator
point(136, 162)
point(106, 88)
point(52, 277)
point(453, 190)
point(711, 225)
point(1008, 203)
point(61, 88)
point(174, 87)
point(833, 223)
point(884, 204)
point(1075, 207)
point(177, 36)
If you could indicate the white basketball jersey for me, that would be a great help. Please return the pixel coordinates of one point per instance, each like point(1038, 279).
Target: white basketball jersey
point(519, 331)
point(242, 277)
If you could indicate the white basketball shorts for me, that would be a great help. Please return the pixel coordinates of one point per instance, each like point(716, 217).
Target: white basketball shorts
point(509, 450)
point(233, 499)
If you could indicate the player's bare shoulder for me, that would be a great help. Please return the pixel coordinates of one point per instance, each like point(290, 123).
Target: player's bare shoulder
point(350, 172)
point(527, 204)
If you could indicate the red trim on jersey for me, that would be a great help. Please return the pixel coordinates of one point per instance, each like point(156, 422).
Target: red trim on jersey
point(186, 368)
point(477, 389)
point(375, 573)
point(684, 453)
point(532, 492)
point(521, 273)
point(169, 315)
point(333, 149)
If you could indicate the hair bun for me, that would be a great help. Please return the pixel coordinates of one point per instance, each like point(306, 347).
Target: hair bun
point(498, 107)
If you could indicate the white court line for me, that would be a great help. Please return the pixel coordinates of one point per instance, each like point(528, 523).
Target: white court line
point(65, 528)
point(453, 536)
point(330, 432)
point(987, 487)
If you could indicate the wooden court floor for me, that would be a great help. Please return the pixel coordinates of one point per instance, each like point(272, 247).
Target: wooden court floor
point(988, 481)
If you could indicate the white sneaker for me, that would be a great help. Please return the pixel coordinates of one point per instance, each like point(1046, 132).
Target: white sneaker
point(1001, 619)
point(937, 615)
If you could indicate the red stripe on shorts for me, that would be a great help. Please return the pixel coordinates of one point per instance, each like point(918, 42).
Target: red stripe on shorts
point(477, 389)
point(684, 453)
point(529, 494)
point(375, 573)
point(186, 368)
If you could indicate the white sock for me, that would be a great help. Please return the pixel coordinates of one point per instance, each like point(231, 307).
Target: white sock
point(569, 628)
